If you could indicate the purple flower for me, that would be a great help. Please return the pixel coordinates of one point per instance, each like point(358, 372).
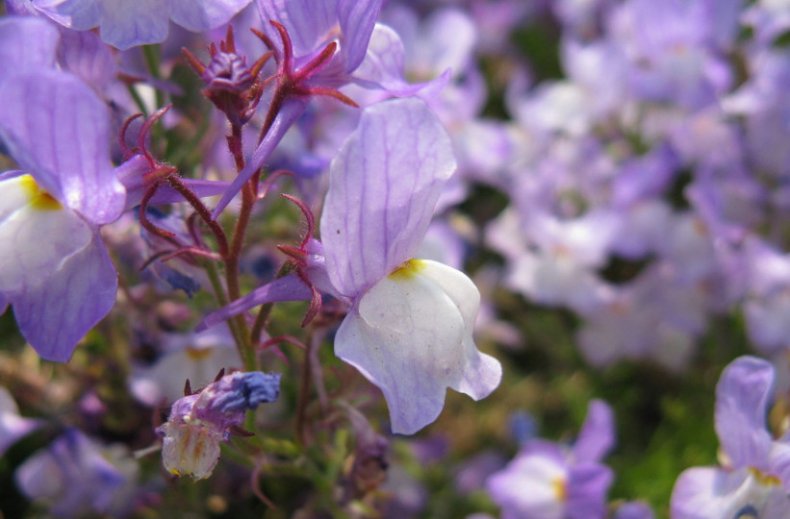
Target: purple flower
point(199, 422)
point(129, 24)
point(755, 477)
point(76, 477)
point(562, 482)
point(54, 268)
point(409, 329)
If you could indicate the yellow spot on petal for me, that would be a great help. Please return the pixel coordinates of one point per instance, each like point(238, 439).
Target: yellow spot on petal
point(560, 489)
point(407, 270)
point(38, 198)
point(767, 480)
point(198, 353)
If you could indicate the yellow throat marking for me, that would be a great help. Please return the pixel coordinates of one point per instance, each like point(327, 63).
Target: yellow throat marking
point(38, 198)
point(407, 270)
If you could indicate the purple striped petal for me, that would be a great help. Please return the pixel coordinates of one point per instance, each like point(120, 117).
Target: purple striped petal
point(287, 288)
point(79, 15)
point(126, 24)
point(84, 54)
point(313, 23)
point(383, 187)
point(742, 396)
point(58, 129)
point(308, 21)
point(26, 44)
point(588, 485)
point(204, 15)
point(357, 19)
point(57, 313)
point(288, 114)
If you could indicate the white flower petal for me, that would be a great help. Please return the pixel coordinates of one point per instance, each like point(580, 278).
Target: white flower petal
point(38, 235)
point(411, 335)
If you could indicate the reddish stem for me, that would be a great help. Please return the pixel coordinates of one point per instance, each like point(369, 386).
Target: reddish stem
point(202, 211)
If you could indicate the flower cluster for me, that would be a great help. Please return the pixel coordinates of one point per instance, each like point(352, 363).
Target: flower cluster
point(534, 204)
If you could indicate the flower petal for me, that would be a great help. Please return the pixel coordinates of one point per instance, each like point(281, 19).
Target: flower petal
point(26, 43)
point(55, 315)
point(482, 373)
point(383, 187)
point(127, 24)
point(357, 19)
point(597, 435)
point(290, 111)
point(12, 426)
point(702, 493)
point(63, 140)
point(287, 288)
point(38, 236)
point(742, 396)
point(588, 485)
point(544, 476)
point(78, 15)
point(410, 338)
point(204, 15)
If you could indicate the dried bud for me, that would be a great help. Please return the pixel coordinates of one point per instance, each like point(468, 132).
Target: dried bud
point(231, 85)
point(199, 422)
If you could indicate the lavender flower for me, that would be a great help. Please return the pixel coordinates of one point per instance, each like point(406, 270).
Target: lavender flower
point(54, 269)
point(199, 422)
point(409, 329)
point(755, 476)
point(562, 482)
point(76, 476)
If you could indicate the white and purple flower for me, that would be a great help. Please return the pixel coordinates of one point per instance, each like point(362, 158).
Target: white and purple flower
point(754, 479)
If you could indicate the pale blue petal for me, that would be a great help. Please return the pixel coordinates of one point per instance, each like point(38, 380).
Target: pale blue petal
point(126, 24)
point(308, 22)
point(206, 14)
point(58, 130)
point(287, 288)
point(587, 487)
point(55, 315)
point(26, 44)
point(742, 396)
point(290, 111)
point(84, 54)
point(383, 187)
point(79, 15)
point(357, 19)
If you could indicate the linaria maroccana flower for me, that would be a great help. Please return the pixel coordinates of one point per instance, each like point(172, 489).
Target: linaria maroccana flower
point(755, 479)
point(409, 329)
point(563, 483)
point(199, 422)
point(76, 476)
point(54, 268)
point(125, 24)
